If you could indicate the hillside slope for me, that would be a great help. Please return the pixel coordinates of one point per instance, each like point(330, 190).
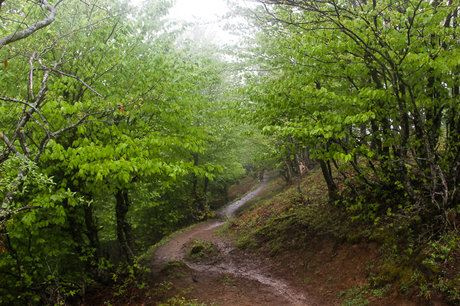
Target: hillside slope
point(318, 246)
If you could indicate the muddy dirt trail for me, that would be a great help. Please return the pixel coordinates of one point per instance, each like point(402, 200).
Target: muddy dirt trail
point(231, 277)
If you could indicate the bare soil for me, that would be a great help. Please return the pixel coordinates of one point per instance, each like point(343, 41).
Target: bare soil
point(231, 277)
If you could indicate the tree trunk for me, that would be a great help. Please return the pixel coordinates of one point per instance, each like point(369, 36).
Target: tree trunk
point(289, 172)
point(92, 231)
point(123, 227)
point(331, 186)
point(299, 173)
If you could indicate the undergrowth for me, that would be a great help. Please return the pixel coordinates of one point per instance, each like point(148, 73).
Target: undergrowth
point(201, 249)
point(286, 220)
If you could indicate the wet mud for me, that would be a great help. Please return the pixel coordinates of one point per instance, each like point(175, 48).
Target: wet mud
point(232, 277)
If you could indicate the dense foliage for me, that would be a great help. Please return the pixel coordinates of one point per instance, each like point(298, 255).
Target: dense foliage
point(371, 89)
point(114, 133)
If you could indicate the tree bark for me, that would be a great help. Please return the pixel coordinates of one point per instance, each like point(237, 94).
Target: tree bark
point(289, 172)
point(5, 40)
point(299, 173)
point(331, 186)
point(123, 228)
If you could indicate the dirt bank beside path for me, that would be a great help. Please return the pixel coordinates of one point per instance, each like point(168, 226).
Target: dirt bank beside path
point(229, 277)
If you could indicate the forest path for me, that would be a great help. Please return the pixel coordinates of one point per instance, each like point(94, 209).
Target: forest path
point(231, 277)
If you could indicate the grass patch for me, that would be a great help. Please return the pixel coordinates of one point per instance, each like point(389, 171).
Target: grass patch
point(287, 220)
point(224, 230)
point(201, 249)
point(355, 296)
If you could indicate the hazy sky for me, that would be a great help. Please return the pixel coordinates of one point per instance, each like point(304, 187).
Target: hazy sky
point(198, 10)
point(208, 14)
point(193, 10)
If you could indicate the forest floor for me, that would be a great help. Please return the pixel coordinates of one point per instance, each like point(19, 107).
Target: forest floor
point(204, 265)
point(228, 276)
point(223, 274)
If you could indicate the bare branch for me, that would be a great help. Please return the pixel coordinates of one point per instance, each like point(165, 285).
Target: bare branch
point(10, 146)
point(19, 101)
point(111, 33)
point(47, 130)
point(28, 208)
point(71, 76)
point(83, 120)
point(22, 142)
point(5, 40)
point(29, 105)
point(31, 76)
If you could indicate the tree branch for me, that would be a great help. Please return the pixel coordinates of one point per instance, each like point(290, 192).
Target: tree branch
point(73, 77)
point(11, 146)
point(5, 40)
